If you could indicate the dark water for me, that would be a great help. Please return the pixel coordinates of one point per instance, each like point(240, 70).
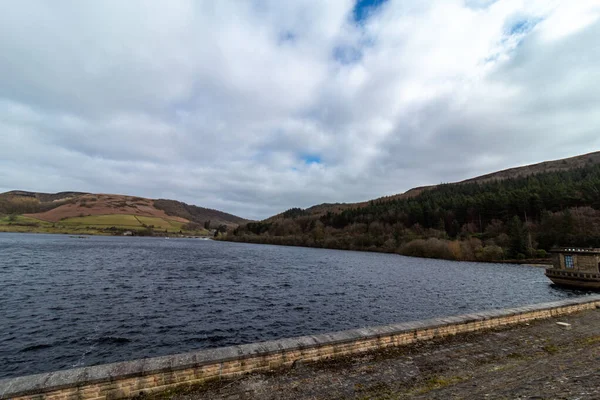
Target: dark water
point(67, 302)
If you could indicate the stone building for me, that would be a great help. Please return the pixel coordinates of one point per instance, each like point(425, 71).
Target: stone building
point(575, 267)
point(576, 259)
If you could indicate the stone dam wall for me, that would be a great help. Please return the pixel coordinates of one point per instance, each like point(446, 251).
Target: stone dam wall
point(132, 378)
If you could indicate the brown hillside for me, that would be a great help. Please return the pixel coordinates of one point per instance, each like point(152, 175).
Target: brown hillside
point(104, 204)
point(546, 166)
point(22, 202)
point(54, 207)
point(198, 214)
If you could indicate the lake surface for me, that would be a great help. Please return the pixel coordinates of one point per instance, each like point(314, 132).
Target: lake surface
point(67, 302)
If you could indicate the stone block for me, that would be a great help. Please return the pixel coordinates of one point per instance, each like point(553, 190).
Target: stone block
point(127, 369)
point(23, 385)
point(156, 365)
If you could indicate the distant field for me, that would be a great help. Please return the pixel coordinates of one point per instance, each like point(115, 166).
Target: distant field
point(20, 223)
point(124, 221)
point(9, 225)
point(162, 223)
point(103, 220)
point(19, 219)
point(92, 224)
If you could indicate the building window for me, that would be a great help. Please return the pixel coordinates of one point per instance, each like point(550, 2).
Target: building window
point(569, 262)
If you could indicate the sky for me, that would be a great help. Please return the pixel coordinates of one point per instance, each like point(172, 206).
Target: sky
point(256, 106)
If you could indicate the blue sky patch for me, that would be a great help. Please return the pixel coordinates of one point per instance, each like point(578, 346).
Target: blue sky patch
point(311, 158)
point(521, 26)
point(479, 4)
point(364, 8)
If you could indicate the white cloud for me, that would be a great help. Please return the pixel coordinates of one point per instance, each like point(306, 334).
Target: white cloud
point(220, 103)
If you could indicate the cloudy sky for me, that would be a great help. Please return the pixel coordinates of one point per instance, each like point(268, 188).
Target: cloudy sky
point(256, 106)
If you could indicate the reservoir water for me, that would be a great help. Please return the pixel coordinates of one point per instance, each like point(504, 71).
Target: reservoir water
point(69, 302)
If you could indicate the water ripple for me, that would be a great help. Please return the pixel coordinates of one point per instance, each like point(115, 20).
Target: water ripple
point(68, 303)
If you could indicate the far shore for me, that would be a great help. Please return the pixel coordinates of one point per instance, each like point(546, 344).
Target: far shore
point(532, 262)
point(78, 233)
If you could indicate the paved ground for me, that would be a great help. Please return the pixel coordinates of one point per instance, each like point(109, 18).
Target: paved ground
point(540, 360)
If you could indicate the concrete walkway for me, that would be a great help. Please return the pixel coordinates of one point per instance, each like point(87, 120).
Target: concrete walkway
point(539, 360)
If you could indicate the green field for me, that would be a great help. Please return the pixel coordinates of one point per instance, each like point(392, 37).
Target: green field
point(103, 220)
point(94, 225)
point(19, 223)
point(168, 224)
point(20, 219)
point(124, 221)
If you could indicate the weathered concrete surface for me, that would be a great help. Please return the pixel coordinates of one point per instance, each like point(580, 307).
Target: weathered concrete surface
point(537, 360)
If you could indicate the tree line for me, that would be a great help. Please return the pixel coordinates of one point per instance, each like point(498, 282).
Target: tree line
point(504, 219)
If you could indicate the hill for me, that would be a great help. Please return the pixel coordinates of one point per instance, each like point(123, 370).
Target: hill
point(108, 213)
point(198, 214)
point(515, 213)
point(564, 164)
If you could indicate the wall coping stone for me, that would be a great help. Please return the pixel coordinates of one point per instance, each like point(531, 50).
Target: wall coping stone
point(52, 381)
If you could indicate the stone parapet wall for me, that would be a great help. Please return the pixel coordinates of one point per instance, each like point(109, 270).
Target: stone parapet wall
point(588, 263)
point(131, 378)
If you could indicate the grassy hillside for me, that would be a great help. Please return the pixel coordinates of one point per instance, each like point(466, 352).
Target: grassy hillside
point(125, 221)
point(76, 212)
point(99, 225)
point(517, 213)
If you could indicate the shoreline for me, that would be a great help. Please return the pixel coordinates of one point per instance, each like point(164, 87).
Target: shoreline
point(538, 263)
point(533, 262)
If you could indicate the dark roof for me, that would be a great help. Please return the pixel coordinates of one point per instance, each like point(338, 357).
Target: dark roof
point(579, 250)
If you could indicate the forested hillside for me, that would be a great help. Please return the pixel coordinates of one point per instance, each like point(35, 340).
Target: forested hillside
point(514, 218)
point(565, 164)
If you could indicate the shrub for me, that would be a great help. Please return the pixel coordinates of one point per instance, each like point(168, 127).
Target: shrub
point(541, 253)
point(492, 253)
point(455, 250)
point(502, 240)
point(430, 248)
